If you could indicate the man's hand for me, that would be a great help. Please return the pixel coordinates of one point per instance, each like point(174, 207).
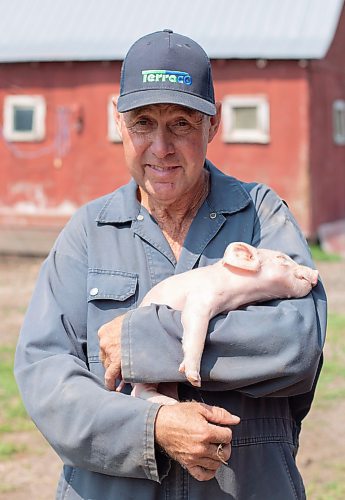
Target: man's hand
point(110, 350)
point(191, 433)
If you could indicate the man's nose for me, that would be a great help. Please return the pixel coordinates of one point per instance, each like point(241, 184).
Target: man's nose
point(162, 143)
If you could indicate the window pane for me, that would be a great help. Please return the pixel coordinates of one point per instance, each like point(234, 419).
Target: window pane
point(339, 123)
point(23, 119)
point(245, 118)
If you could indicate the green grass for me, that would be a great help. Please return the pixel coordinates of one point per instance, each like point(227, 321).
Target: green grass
point(7, 450)
point(7, 488)
point(13, 417)
point(328, 483)
point(331, 386)
point(322, 256)
point(333, 489)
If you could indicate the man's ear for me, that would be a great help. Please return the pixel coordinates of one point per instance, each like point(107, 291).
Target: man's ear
point(117, 116)
point(242, 256)
point(215, 122)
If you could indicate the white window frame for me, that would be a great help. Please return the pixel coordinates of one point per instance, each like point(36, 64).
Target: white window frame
point(113, 133)
point(261, 134)
point(38, 131)
point(339, 135)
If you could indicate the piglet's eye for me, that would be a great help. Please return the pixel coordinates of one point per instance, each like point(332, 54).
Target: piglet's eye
point(283, 259)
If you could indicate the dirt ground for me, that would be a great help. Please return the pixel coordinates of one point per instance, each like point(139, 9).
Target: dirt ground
point(34, 473)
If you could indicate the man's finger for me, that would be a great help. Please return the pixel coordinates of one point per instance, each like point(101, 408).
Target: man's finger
point(106, 363)
point(110, 376)
point(218, 415)
point(120, 386)
point(209, 463)
point(217, 434)
point(223, 452)
point(200, 473)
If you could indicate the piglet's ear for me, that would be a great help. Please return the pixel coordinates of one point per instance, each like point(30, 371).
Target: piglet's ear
point(242, 256)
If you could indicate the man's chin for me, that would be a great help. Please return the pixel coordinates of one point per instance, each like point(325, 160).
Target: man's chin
point(164, 193)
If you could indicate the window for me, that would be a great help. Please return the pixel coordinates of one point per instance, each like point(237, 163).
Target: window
point(246, 119)
point(113, 133)
point(24, 118)
point(339, 122)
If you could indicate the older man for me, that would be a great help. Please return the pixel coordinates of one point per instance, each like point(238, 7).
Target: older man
point(178, 212)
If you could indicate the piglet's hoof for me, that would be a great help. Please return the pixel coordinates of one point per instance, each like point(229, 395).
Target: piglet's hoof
point(192, 376)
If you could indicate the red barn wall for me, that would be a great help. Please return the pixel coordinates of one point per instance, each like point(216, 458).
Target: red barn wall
point(327, 159)
point(84, 164)
point(283, 162)
point(88, 165)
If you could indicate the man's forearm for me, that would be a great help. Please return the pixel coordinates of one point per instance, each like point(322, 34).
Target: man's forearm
point(244, 351)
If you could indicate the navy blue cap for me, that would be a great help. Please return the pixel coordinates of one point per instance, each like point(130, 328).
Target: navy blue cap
point(165, 67)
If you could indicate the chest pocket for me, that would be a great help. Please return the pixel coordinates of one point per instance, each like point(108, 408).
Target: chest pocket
point(110, 294)
point(104, 285)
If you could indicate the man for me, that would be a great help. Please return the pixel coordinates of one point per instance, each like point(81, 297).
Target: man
point(178, 212)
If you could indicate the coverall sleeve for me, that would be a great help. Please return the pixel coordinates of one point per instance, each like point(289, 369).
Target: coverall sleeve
point(271, 349)
point(87, 425)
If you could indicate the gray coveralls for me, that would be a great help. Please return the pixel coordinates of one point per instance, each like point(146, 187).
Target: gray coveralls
point(260, 362)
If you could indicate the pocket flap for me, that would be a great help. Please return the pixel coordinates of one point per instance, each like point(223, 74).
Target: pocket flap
point(113, 285)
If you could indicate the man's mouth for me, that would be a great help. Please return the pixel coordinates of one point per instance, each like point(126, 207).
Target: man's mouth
point(159, 168)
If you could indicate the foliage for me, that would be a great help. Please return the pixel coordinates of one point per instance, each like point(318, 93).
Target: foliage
point(320, 255)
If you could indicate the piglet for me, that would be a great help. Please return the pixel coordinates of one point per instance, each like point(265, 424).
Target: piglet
point(245, 275)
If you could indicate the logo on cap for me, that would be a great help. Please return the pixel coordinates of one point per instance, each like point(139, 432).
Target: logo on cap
point(164, 75)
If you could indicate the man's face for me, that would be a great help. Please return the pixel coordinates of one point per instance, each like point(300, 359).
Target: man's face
point(165, 148)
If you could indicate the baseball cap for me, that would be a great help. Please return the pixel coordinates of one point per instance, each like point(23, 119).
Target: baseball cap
point(165, 67)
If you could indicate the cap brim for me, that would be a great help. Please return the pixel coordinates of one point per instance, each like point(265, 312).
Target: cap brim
point(141, 98)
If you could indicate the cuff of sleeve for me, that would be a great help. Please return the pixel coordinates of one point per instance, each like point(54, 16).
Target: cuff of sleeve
point(126, 348)
point(150, 333)
point(157, 463)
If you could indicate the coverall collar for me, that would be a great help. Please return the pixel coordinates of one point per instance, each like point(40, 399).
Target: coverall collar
point(226, 196)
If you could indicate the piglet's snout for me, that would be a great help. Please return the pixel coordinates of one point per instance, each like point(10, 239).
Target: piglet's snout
point(308, 274)
point(315, 277)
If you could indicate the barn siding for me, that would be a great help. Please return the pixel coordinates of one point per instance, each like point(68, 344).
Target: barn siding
point(300, 162)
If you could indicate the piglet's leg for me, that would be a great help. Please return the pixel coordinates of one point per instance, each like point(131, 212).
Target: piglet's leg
point(150, 392)
point(194, 320)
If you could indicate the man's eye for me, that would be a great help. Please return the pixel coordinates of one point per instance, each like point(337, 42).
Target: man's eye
point(181, 126)
point(141, 125)
point(182, 123)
